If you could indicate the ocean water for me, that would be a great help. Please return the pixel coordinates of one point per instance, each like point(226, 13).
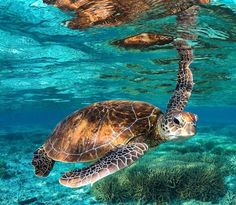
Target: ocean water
point(48, 71)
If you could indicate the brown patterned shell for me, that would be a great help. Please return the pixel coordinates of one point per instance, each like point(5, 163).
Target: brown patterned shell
point(94, 130)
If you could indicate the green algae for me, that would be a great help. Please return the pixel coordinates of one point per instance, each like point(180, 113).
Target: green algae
point(195, 170)
point(162, 182)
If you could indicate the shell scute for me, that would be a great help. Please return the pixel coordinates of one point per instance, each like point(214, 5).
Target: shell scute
point(92, 131)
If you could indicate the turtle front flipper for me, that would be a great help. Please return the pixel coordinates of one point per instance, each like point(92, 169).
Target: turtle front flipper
point(118, 158)
point(185, 21)
point(42, 163)
point(185, 83)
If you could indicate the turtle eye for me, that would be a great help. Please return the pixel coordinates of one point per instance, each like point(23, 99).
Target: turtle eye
point(176, 121)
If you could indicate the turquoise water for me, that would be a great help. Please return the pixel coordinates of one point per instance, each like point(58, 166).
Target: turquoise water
point(48, 71)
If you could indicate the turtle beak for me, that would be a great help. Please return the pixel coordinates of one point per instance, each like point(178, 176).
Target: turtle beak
point(191, 129)
point(195, 117)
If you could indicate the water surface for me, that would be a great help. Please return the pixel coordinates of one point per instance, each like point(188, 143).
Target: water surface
point(48, 71)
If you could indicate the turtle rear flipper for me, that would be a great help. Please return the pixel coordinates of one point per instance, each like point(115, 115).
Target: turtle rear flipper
point(118, 158)
point(42, 163)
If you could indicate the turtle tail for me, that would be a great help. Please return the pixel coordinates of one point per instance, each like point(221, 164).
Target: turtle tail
point(42, 163)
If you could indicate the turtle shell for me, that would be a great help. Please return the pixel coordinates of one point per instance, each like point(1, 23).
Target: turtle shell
point(91, 132)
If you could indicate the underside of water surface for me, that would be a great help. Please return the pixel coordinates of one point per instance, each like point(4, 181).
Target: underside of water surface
point(48, 71)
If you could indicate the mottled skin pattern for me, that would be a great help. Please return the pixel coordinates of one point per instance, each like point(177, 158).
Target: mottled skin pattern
point(116, 159)
point(115, 12)
point(185, 79)
point(88, 134)
point(43, 164)
point(144, 40)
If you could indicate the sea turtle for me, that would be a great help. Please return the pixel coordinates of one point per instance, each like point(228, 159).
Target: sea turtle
point(116, 12)
point(117, 133)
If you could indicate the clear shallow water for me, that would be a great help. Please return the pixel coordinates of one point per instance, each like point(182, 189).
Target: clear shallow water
point(48, 71)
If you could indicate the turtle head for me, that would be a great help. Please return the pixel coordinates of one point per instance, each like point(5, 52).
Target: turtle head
point(178, 125)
